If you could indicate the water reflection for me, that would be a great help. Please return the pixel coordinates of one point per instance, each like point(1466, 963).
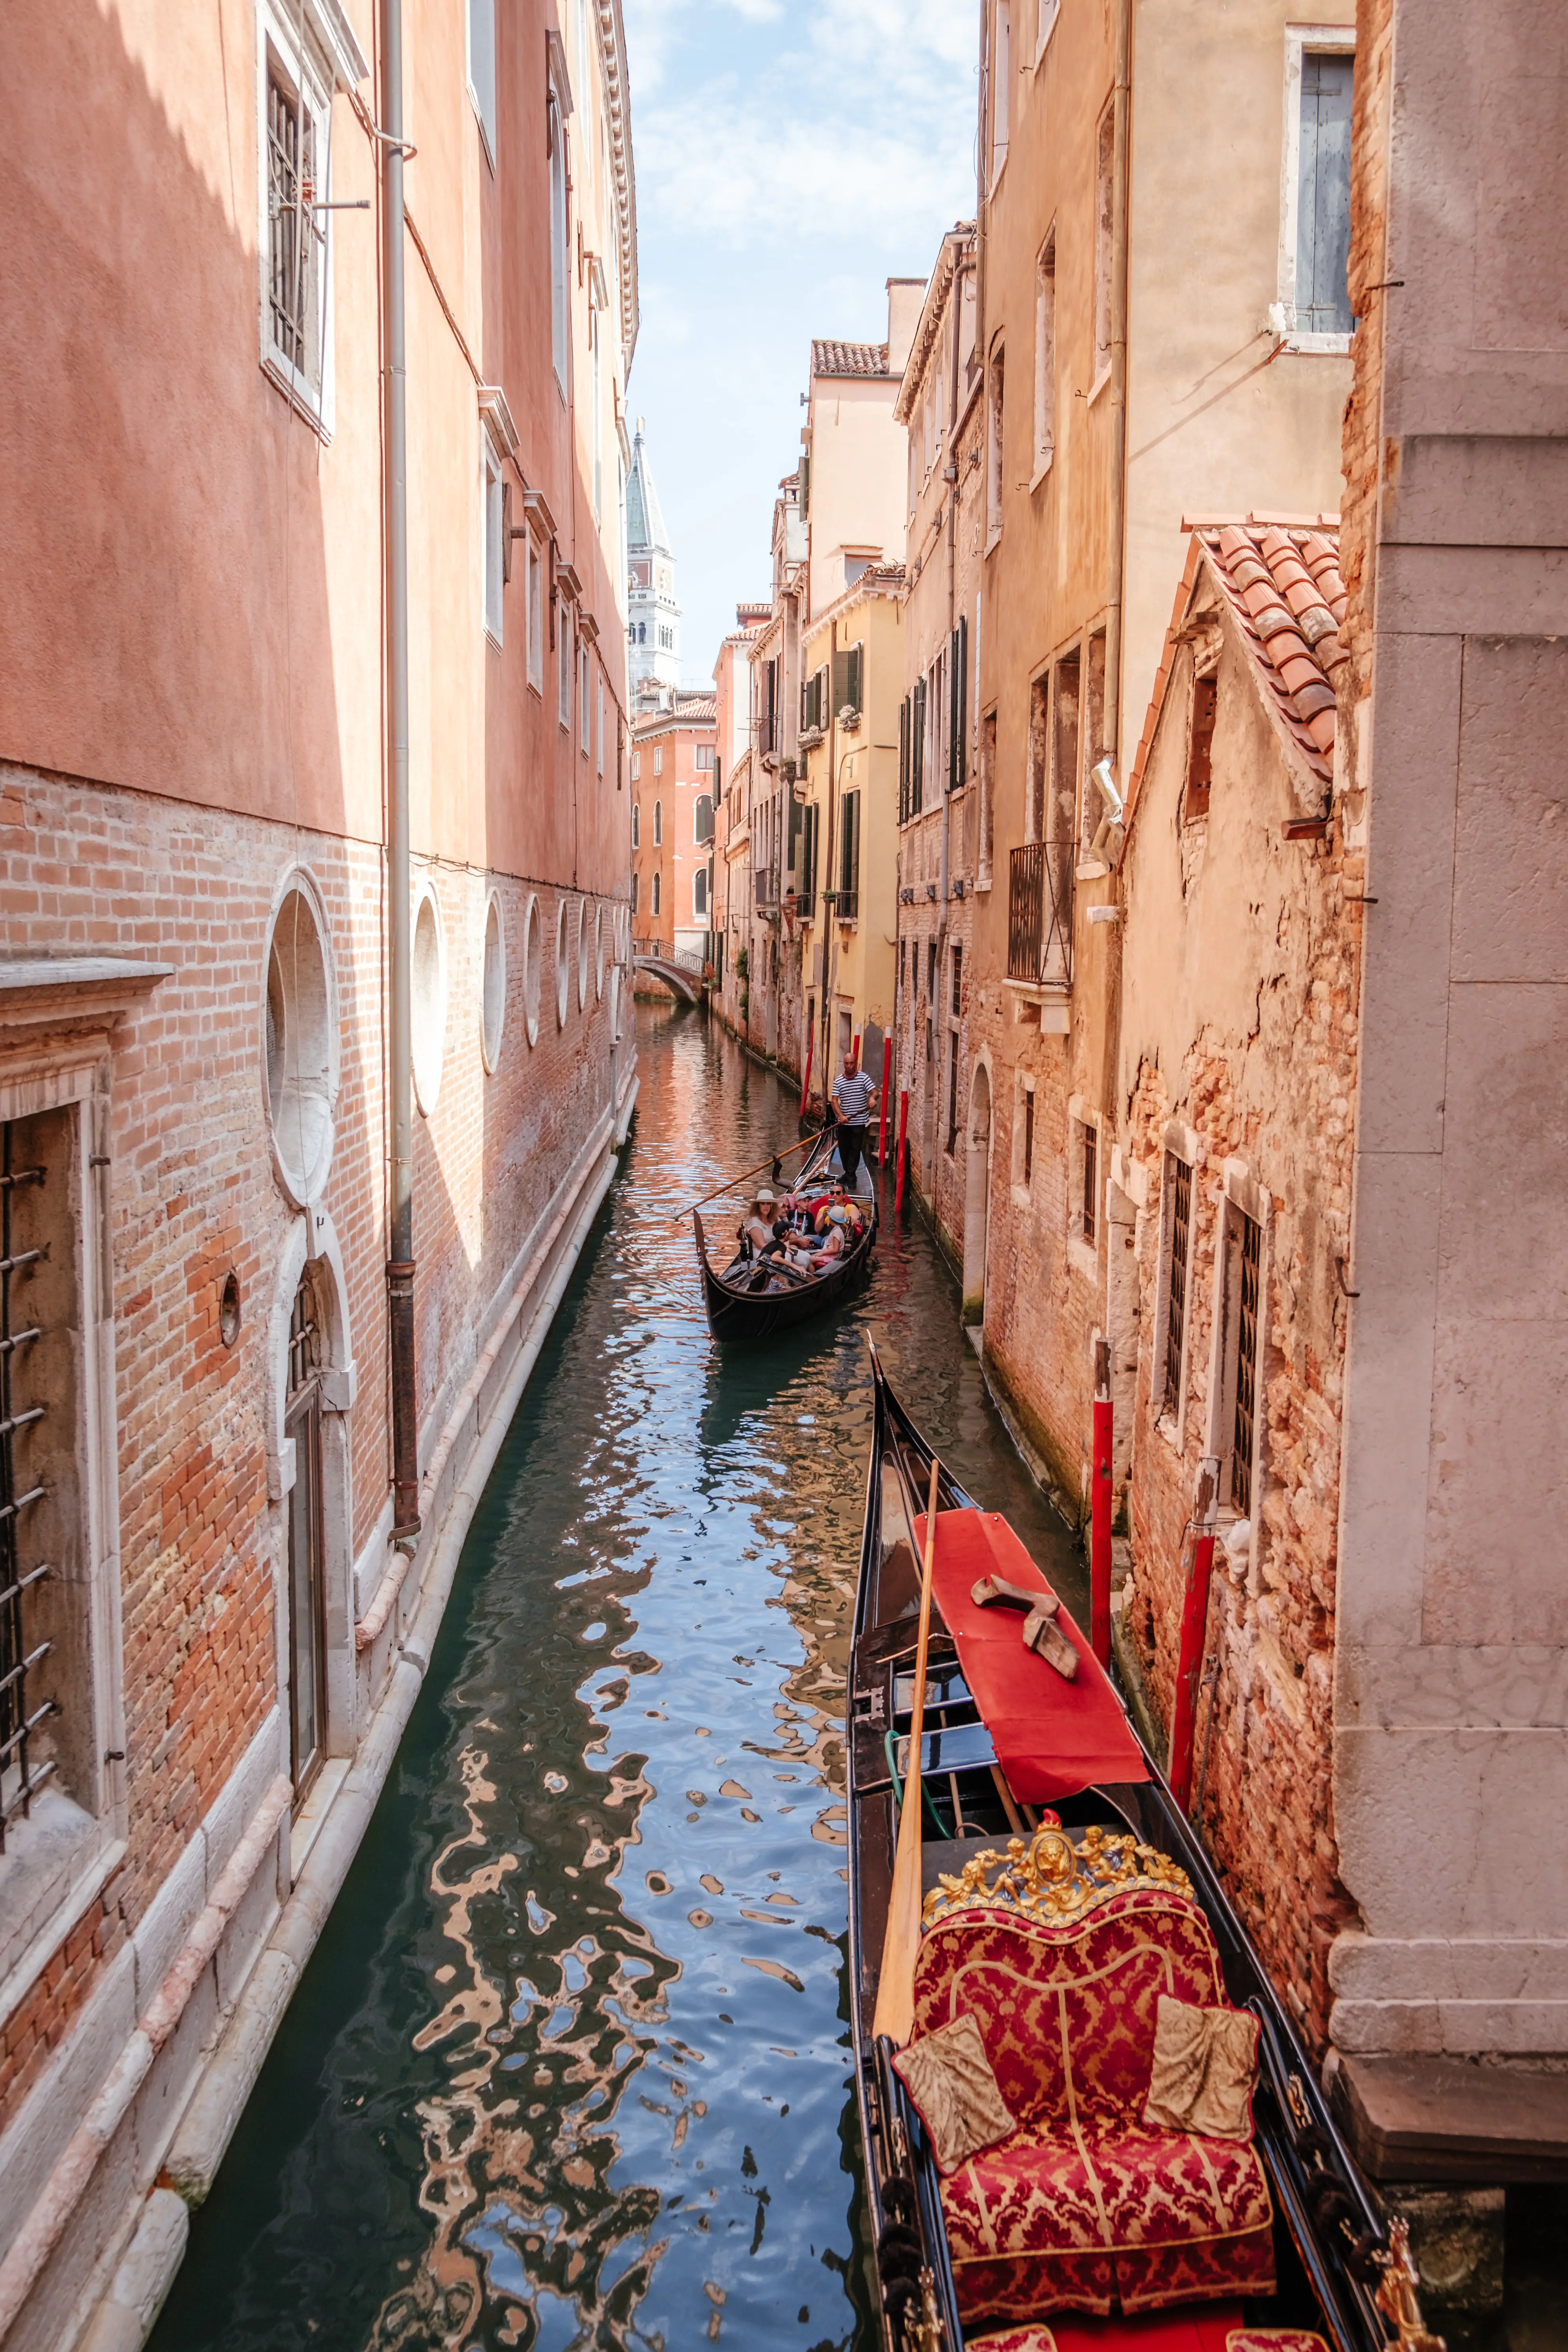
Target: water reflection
point(569, 2068)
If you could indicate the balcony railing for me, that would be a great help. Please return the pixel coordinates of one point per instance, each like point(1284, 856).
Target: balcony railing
point(767, 882)
point(1039, 913)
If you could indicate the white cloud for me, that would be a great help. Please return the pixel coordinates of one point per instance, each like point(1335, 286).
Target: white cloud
point(789, 159)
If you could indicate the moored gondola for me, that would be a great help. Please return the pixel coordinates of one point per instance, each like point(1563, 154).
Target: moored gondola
point(1103, 2131)
point(753, 1298)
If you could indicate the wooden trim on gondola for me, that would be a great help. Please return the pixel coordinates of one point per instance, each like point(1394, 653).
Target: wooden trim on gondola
point(1340, 2267)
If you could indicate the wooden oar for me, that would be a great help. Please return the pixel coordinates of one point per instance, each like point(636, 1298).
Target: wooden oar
point(896, 1985)
point(772, 1161)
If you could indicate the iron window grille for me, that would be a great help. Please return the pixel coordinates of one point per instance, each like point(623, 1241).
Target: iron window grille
point(292, 235)
point(1039, 913)
point(1245, 1425)
point(1179, 1176)
point(21, 1775)
point(1028, 1135)
point(1091, 1179)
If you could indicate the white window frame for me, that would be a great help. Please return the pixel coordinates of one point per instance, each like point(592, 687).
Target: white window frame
point(995, 423)
point(1047, 13)
point(1001, 85)
point(1181, 1143)
point(557, 108)
point(1301, 42)
point(1240, 1195)
point(1081, 1253)
point(659, 759)
point(585, 707)
point(48, 1878)
point(1044, 359)
point(637, 767)
point(481, 15)
point(564, 665)
point(314, 77)
point(599, 722)
point(700, 883)
point(1103, 290)
point(492, 550)
point(534, 619)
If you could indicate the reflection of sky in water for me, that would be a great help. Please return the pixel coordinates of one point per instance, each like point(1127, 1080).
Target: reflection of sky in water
point(570, 2068)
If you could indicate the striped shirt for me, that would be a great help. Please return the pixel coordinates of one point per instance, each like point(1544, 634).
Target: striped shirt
point(852, 1098)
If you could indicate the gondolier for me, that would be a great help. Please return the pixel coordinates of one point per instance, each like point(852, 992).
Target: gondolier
point(854, 1096)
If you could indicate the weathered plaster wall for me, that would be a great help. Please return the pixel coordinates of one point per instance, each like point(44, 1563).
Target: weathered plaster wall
point(1239, 1024)
point(1451, 1733)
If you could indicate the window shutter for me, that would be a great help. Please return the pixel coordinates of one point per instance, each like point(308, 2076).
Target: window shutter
point(904, 760)
point(857, 666)
point(961, 679)
point(917, 748)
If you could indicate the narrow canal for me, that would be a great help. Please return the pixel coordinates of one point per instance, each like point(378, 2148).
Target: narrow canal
point(570, 2065)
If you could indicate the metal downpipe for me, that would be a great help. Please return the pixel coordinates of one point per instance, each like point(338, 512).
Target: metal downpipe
point(400, 1072)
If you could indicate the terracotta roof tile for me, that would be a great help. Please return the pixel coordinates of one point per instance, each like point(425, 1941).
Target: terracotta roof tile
point(1284, 585)
point(829, 358)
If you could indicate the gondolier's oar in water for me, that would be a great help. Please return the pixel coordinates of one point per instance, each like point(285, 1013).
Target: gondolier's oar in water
point(772, 1164)
point(896, 1984)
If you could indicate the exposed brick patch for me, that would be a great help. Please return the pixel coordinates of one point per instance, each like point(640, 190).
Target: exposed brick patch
point(194, 1198)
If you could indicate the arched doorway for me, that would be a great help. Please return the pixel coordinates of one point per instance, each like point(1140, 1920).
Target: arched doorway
point(976, 1194)
point(307, 1541)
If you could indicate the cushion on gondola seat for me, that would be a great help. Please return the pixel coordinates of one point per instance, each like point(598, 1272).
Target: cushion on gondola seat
point(1086, 2207)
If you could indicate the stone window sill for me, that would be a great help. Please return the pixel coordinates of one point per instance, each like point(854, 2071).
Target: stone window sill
point(53, 1865)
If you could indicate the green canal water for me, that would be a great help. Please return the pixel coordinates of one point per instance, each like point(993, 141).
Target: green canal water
point(570, 2065)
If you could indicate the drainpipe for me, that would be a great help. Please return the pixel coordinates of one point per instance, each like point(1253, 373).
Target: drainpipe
point(1121, 105)
point(400, 1074)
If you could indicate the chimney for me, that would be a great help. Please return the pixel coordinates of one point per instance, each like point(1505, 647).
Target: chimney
point(906, 297)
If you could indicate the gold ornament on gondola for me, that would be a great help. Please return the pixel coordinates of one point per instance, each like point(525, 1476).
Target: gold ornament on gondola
point(1051, 1879)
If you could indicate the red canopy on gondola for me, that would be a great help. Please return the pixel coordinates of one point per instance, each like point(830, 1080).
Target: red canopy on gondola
point(1052, 1737)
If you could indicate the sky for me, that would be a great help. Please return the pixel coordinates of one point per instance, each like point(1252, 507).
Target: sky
point(790, 156)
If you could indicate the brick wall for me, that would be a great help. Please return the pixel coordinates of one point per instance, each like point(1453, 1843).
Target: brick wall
point(84, 868)
point(1277, 1096)
point(1368, 270)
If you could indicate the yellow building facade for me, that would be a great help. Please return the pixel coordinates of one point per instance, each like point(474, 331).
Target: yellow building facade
point(844, 902)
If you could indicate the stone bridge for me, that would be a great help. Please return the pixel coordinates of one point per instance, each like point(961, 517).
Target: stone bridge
point(682, 977)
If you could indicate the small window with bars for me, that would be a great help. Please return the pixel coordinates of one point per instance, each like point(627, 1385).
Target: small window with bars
point(25, 1645)
point(1200, 748)
point(1244, 1424)
point(1178, 1247)
point(294, 233)
point(1089, 1225)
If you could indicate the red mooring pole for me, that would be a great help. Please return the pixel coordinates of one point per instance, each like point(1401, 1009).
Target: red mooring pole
point(1195, 1625)
point(1099, 1509)
point(857, 1049)
point(882, 1106)
point(805, 1082)
point(900, 1156)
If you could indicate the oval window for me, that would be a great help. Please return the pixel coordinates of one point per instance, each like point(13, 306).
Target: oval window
point(428, 993)
point(301, 1046)
point(492, 1009)
point(532, 959)
point(563, 963)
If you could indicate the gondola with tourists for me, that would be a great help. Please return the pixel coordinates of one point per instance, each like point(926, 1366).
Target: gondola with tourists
point(763, 1289)
point(1089, 2123)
